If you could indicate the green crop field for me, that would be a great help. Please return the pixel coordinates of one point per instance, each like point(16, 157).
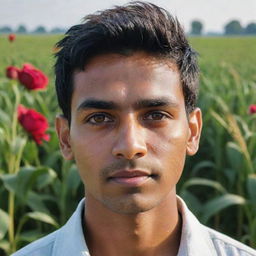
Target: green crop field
point(39, 191)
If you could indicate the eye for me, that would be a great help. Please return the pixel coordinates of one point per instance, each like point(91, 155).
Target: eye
point(155, 116)
point(99, 118)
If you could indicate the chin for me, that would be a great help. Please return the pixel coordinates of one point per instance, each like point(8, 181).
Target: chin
point(132, 204)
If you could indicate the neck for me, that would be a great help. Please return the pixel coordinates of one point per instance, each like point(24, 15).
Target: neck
point(154, 232)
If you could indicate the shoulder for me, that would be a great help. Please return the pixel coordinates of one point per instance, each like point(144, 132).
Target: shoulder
point(41, 247)
point(226, 245)
point(197, 239)
point(68, 240)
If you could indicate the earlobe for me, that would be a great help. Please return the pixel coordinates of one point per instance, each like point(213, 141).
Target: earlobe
point(63, 132)
point(195, 128)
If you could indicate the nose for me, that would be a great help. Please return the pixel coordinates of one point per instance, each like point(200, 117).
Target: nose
point(130, 141)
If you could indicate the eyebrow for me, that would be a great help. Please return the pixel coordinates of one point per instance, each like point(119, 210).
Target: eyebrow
point(93, 103)
point(159, 102)
point(97, 104)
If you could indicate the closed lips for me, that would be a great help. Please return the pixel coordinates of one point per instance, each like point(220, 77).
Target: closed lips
point(129, 174)
point(131, 177)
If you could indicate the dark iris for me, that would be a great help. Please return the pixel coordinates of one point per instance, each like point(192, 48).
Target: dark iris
point(157, 116)
point(99, 118)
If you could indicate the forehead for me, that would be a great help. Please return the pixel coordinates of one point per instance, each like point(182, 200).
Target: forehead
point(124, 79)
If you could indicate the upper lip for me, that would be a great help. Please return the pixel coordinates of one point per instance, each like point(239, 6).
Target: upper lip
point(129, 173)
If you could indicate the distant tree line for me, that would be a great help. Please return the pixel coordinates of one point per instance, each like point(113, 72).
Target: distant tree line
point(233, 27)
point(22, 29)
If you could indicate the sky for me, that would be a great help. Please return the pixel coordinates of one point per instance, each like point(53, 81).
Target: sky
point(214, 14)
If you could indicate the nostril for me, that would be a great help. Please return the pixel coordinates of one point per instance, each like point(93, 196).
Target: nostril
point(119, 155)
point(129, 155)
point(139, 154)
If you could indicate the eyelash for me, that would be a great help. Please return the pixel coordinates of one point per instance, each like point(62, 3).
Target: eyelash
point(97, 115)
point(105, 115)
point(158, 113)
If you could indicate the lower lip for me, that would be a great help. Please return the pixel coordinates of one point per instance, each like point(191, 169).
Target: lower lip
point(131, 181)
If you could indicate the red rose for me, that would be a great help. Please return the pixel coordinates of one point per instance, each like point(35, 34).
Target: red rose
point(12, 72)
point(12, 37)
point(28, 65)
point(34, 123)
point(32, 78)
point(252, 109)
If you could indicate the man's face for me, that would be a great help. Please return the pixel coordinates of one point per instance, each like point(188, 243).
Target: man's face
point(129, 132)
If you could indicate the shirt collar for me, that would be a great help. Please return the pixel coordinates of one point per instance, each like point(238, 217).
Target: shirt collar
point(195, 240)
point(70, 240)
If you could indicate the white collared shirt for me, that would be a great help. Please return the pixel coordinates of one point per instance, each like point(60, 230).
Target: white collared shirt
point(196, 239)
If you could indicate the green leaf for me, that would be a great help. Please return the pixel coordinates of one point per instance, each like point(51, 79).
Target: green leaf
point(40, 216)
point(246, 131)
point(4, 223)
point(36, 202)
point(3, 135)
point(192, 202)
point(221, 121)
point(24, 180)
point(17, 145)
point(235, 156)
point(29, 98)
point(202, 165)
point(1, 132)
point(253, 231)
point(251, 187)
point(217, 204)
point(46, 178)
point(57, 188)
point(30, 236)
point(5, 245)
point(231, 176)
point(204, 182)
point(30, 153)
point(73, 180)
point(52, 157)
point(5, 118)
point(9, 181)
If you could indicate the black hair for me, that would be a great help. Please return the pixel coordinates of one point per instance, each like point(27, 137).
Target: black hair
point(137, 26)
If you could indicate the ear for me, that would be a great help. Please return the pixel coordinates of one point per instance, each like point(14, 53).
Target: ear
point(195, 128)
point(63, 131)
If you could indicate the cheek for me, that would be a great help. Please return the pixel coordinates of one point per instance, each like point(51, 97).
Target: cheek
point(169, 148)
point(88, 155)
point(171, 139)
point(86, 145)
